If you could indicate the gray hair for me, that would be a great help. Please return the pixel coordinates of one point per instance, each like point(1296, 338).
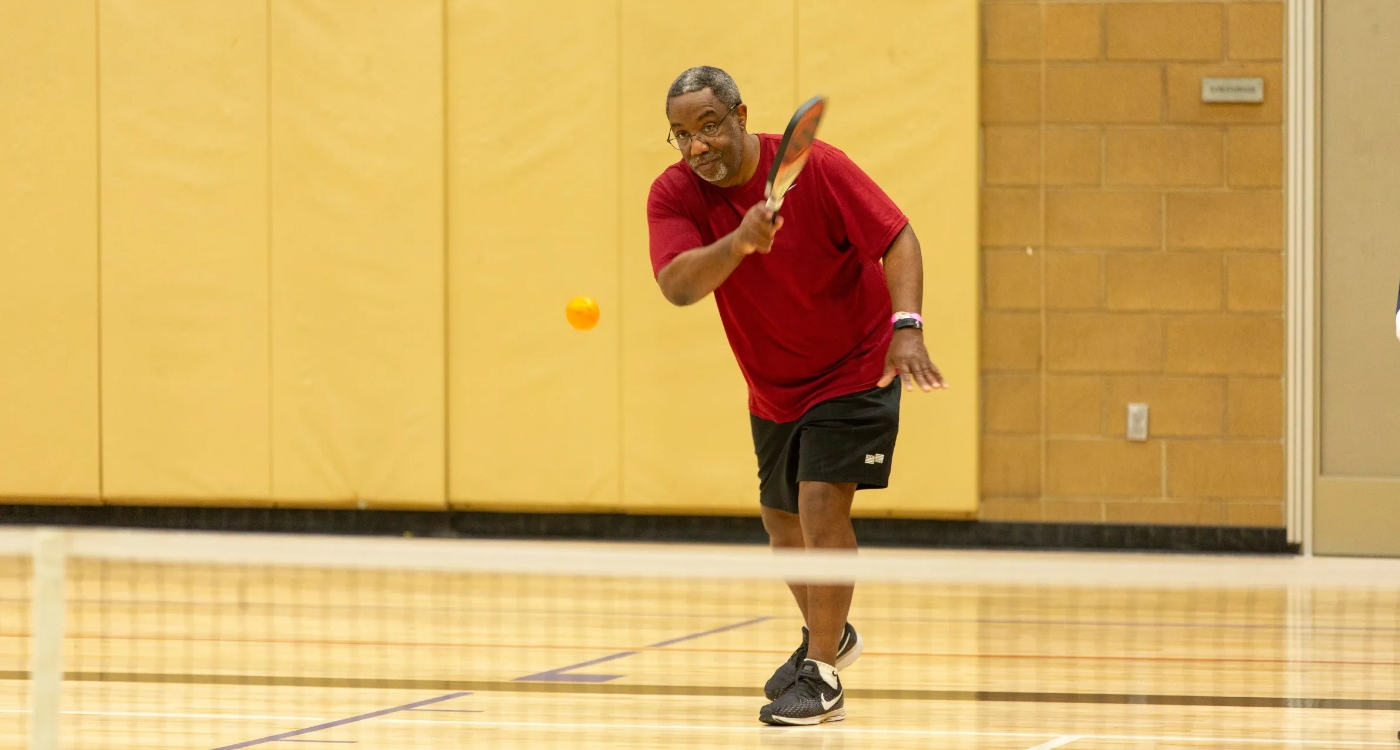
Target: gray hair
point(704, 77)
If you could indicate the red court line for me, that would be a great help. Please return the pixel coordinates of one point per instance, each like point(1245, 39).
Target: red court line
point(765, 651)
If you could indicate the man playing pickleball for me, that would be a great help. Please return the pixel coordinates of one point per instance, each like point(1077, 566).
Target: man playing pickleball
point(821, 309)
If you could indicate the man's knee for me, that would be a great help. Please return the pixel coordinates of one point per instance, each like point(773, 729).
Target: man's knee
point(833, 533)
point(784, 529)
point(826, 514)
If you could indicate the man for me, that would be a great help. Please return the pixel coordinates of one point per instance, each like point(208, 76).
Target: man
point(821, 308)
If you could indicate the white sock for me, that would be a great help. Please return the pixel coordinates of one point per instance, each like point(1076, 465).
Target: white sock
point(828, 673)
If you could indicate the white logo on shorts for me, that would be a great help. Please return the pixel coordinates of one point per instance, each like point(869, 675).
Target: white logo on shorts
point(874, 458)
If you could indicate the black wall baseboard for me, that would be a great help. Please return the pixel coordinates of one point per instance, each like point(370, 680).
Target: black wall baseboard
point(874, 532)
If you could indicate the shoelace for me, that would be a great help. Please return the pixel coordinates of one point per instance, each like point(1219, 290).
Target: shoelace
point(816, 681)
point(798, 656)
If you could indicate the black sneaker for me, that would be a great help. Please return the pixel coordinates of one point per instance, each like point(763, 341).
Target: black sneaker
point(817, 697)
point(847, 651)
point(785, 675)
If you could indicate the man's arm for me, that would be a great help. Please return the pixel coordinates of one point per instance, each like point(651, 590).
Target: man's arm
point(695, 273)
point(904, 274)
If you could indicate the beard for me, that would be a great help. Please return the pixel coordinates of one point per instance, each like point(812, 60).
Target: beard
point(710, 167)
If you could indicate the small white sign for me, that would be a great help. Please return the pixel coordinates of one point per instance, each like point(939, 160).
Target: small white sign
point(1232, 90)
point(1137, 421)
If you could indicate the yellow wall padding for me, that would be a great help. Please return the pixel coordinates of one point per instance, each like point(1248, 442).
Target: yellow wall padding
point(48, 251)
point(532, 166)
point(686, 441)
point(903, 88)
point(337, 238)
point(358, 392)
point(184, 251)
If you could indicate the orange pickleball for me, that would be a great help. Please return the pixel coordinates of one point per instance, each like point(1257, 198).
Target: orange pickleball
point(582, 313)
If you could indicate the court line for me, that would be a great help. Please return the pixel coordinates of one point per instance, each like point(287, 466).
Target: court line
point(158, 715)
point(726, 628)
point(906, 732)
point(20, 675)
point(710, 728)
point(1059, 742)
point(724, 691)
point(280, 606)
point(449, 696)
point(561, 674)
point(342, 722)
point(513, 686)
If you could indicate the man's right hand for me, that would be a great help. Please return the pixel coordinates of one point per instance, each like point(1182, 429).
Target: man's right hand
point(755, 232)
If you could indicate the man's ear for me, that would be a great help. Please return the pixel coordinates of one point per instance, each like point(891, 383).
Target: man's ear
point(743, 114)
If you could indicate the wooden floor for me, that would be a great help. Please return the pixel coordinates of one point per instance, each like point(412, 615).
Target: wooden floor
point(171, 656)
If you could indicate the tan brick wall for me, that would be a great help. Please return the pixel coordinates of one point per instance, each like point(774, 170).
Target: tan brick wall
point(1132, 252)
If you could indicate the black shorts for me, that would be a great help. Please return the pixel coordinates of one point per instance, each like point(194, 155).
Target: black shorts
point(847, 439)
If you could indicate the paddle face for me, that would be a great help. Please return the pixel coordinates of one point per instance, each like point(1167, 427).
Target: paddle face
point(793, 151)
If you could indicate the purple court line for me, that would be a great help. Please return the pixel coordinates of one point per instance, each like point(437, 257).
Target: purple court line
point(342, 722)
point(562, 674)
point(551, 675)
point(693, 636)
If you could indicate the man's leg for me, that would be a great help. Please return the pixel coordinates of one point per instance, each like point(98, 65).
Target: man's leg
point(785, 532)
point(825, 512)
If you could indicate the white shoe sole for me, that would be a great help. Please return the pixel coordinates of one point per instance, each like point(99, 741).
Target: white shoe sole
point(836, 715)
point(850, 656)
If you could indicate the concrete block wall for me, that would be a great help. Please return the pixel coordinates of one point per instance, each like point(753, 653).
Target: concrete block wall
point(1132, 241)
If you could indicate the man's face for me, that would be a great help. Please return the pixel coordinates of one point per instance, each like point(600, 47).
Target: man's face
point(715, 158)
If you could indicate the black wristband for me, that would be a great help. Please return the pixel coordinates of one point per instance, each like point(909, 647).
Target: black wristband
point(908, 323)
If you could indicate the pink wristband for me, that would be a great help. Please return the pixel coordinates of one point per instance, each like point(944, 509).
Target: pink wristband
point(902, 315)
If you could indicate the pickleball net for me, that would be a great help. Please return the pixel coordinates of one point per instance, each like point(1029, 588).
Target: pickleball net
point(136, 639)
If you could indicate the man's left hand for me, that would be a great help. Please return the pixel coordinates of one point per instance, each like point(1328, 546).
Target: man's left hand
point(909, 360)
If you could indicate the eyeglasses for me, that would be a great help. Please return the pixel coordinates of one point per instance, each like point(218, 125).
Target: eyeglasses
point(707, 133)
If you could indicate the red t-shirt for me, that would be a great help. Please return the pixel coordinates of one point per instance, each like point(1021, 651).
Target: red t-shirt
point(810, 321)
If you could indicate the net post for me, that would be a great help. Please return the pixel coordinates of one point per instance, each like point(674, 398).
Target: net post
point(47, 600)
point(1299, 652)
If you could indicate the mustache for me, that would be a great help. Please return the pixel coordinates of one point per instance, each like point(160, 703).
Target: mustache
point(700, 161)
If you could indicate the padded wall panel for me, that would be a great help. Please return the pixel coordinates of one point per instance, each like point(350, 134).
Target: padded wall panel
point(533, 221)
point(48, 252)
point(358, 350)
point(185, 251)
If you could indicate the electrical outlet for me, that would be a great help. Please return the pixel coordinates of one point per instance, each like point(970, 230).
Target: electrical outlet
point(1137, 421)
